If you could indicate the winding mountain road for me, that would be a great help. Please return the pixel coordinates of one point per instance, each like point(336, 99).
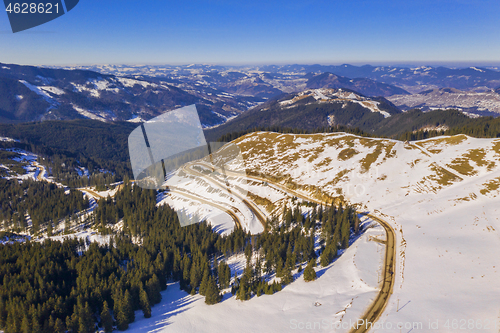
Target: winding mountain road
point(191, 196)
point(377, 307)
point(253, 208)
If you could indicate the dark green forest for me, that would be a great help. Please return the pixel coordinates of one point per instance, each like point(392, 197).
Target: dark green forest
point(75, 285)
point(88, 143)
point(44, 202)
point(483, 127)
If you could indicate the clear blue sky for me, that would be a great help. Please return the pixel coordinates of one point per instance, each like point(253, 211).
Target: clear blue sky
point(255, 31)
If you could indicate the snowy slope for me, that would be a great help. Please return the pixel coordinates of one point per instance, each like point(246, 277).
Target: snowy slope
point(340, 293)
point(326, 95)
point(441, 197)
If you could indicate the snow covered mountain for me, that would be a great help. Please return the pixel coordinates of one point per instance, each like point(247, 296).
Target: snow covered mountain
point(410, 78)
point(365, 86)
point(312, 109)
point(482, 103)
point(30, 93)
point(289, 78)
point(440, 196)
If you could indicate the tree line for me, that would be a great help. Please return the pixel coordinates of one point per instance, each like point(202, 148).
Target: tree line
point(287, 130)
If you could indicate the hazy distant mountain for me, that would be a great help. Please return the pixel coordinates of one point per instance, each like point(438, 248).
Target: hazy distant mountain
point(479, 103)
point(412, 79)
point(290, 78)
point(31, 93)
point(365, 86)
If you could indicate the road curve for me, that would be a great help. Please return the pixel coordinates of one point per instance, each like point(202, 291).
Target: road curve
point(253, 208)
point(374, 311)
point(191, 196)
point(372, 314)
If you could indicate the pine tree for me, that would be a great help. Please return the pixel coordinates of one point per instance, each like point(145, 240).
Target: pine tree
point(144, 301)
point(25, 326)
point(258, 268)
point(345, 233)
point(128, 306)
point(329, 252)
point(248, 252)
point(213, 294)
point(325, 257)
point(122, 319)
point(204, 283)
point(71, 325)
point(287, 275)
point(106, 319)
point(59, 326)
point(195, 276)
point(243, 290)
point(224, 275)
point(85, 320)
point(153, 290)
point(3, 310)
point(356, 224)
point(309, 272)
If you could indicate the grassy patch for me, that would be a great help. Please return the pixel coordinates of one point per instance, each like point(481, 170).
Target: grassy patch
point(339, 177)
point(462, 166)
point(490, 186)
point(325, 162)
point(443, 176)
point(415, 162)
point(478, 156)
point(347, 153)
point(370, 159)
point(471, 196)
point(450, 140)
point(368, 142)
point(389, 153)
point(383, 177)
point(265, 202)
point(496, 147)
point(434, 151)
point(410, 147)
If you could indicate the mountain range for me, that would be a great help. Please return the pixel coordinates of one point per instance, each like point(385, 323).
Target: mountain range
point(413, 79)
point(139, 93)
point(29, 93)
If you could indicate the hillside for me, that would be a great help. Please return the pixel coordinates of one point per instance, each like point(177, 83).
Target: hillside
point(313, 109)
point(91, 143)
point(31, 93)
point(440, 196)
point(326, 109)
